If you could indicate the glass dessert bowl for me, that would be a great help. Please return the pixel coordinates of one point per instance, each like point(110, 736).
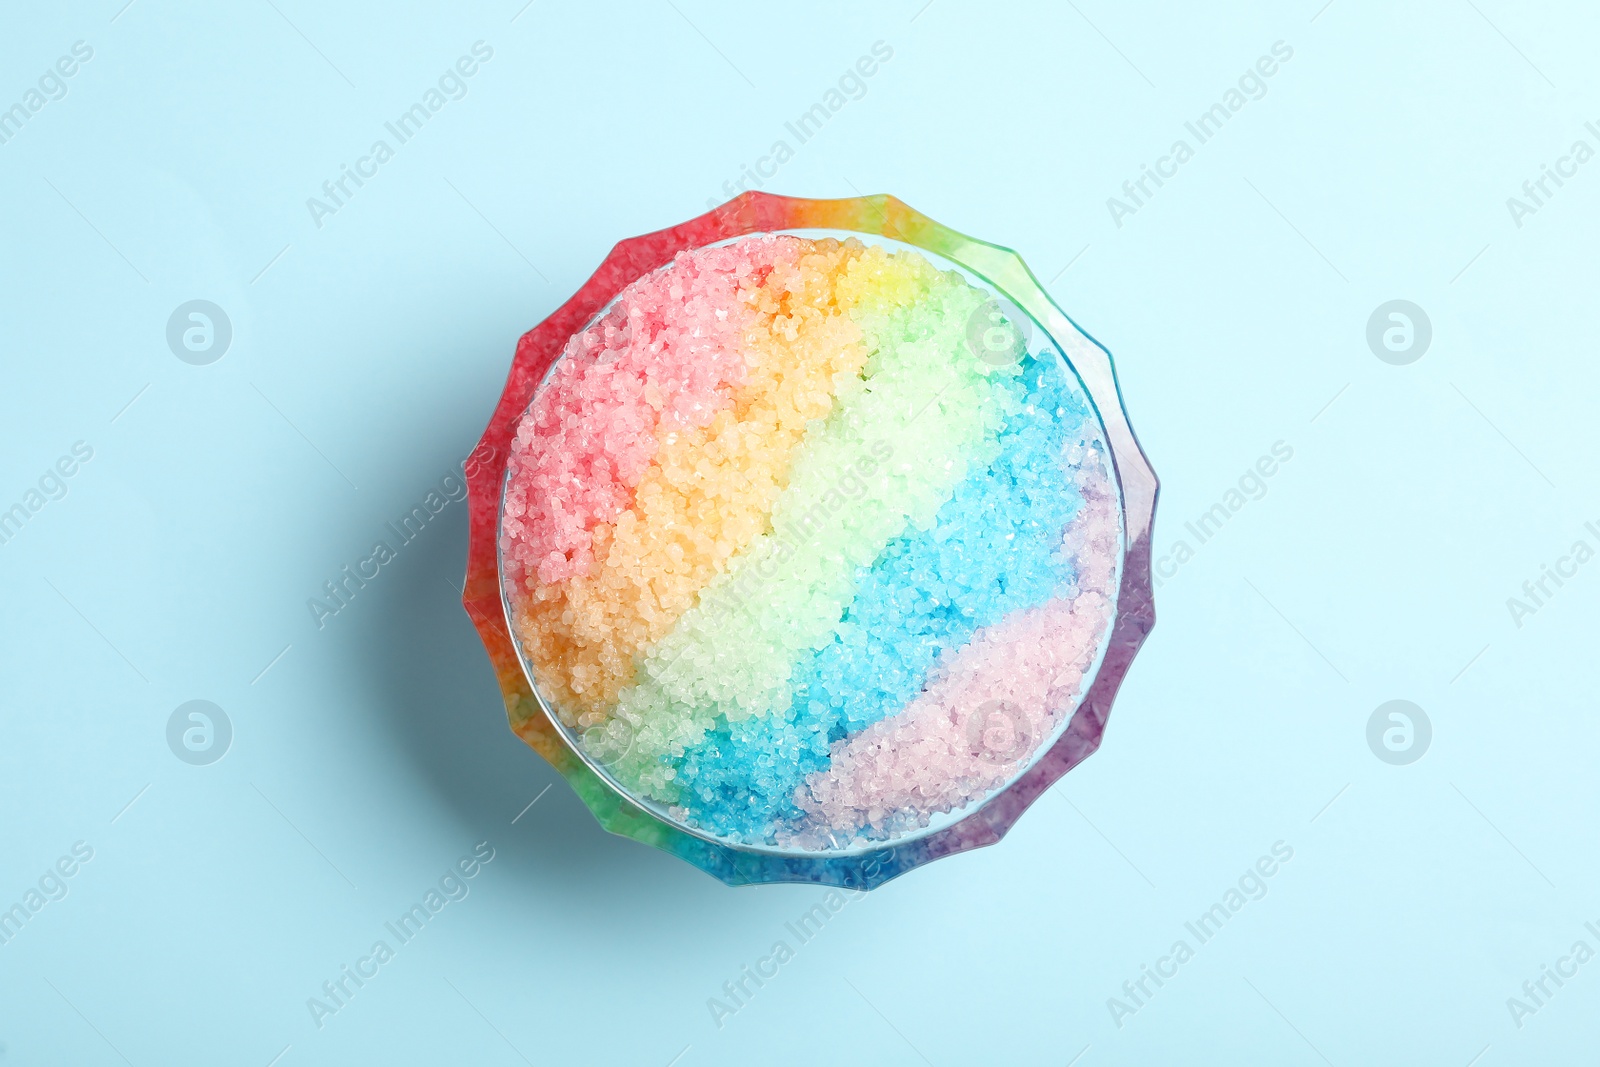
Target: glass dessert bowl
point(810, 541)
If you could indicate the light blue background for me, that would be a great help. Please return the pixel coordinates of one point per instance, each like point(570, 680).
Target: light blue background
point(367, 357)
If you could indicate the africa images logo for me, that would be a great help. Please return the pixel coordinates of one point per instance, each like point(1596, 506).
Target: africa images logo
point(199, 733)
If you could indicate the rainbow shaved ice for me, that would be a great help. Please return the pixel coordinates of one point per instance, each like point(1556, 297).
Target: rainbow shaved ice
point(794, 564)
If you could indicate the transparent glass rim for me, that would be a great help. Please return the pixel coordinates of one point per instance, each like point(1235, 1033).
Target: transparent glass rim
point(943, 820)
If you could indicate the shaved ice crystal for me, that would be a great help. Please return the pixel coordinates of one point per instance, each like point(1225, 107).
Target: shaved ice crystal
point(790, 561)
